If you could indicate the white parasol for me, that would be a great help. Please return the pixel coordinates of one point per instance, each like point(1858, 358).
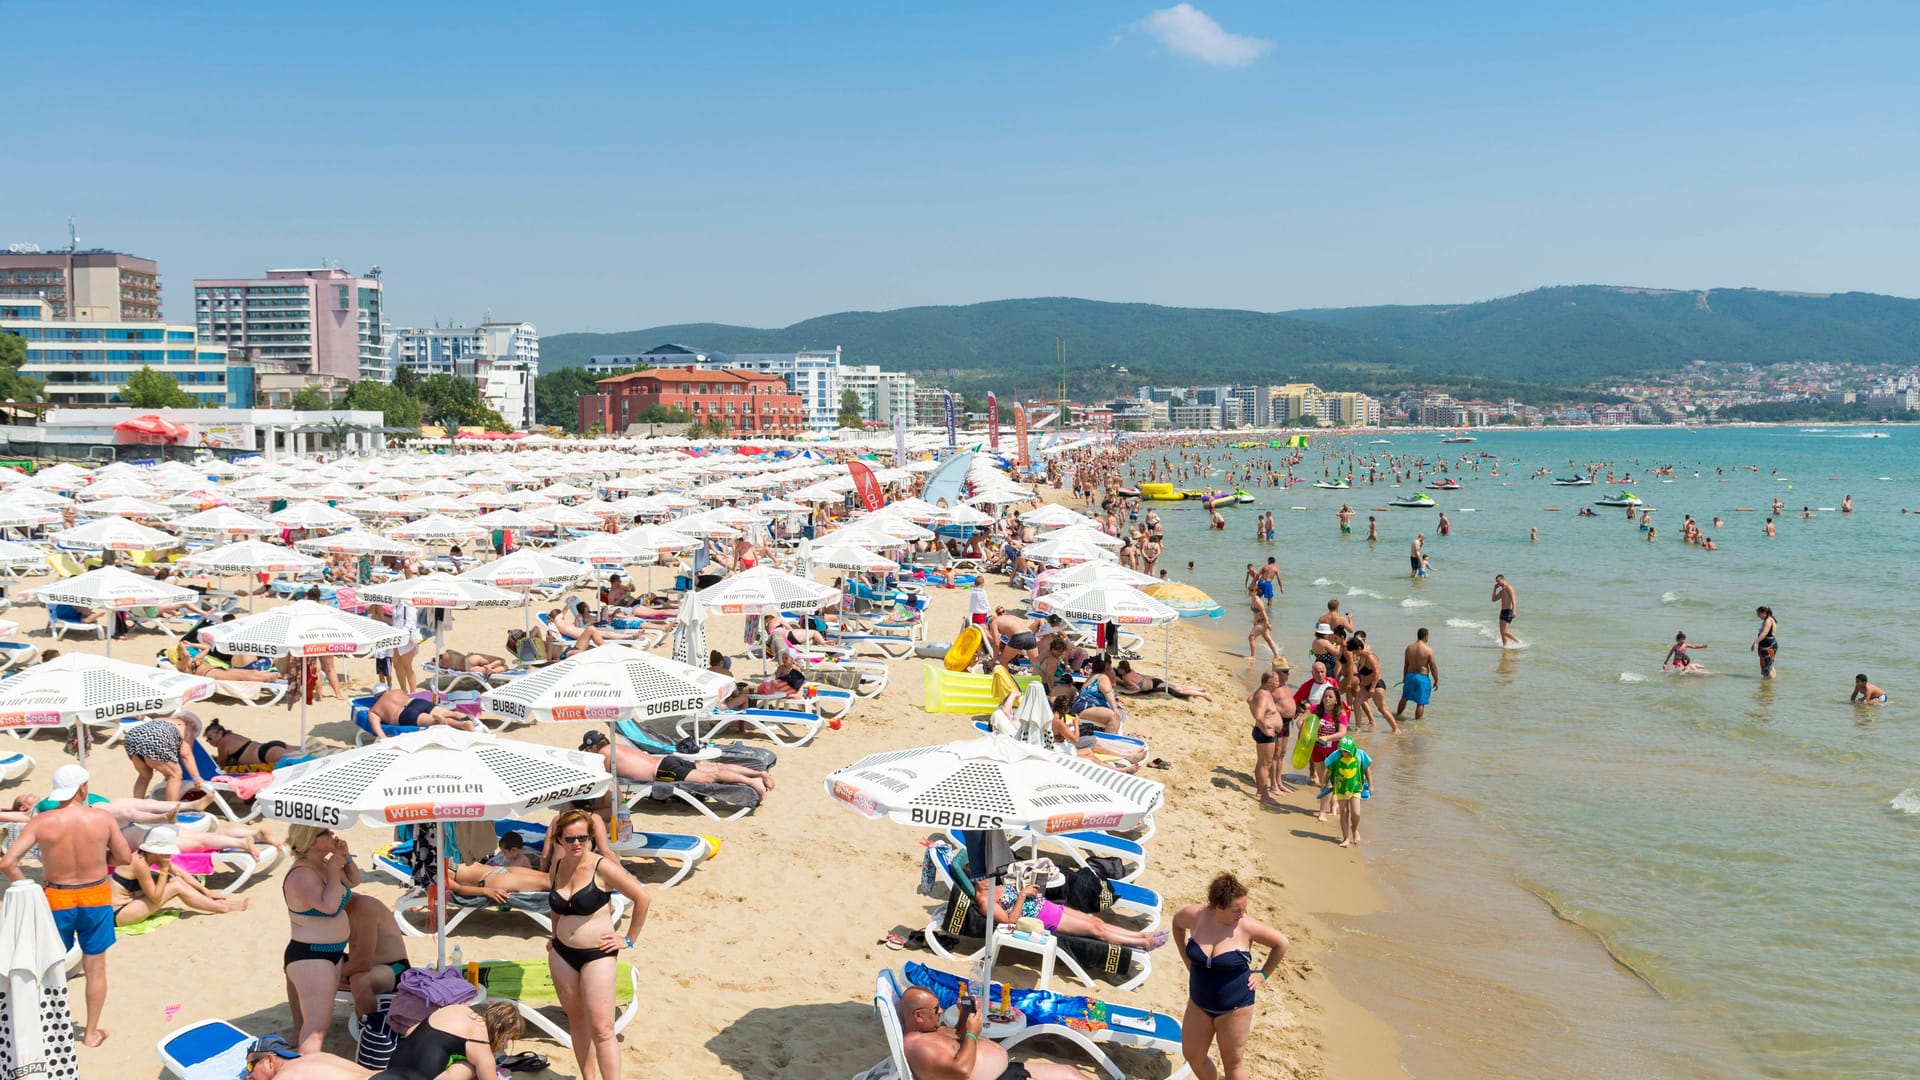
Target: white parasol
point(223, 521)
point(304, 628)
point(311, 515)
point(440, 774)
point(111, 588)
point(115, 534)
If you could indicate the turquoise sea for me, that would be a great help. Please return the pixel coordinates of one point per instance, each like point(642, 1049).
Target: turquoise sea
point(1597, 868)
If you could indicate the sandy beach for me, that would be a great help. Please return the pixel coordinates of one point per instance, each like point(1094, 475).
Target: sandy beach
point(762, 963)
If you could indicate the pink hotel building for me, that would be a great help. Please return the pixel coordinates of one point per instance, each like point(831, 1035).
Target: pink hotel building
point(312, 322)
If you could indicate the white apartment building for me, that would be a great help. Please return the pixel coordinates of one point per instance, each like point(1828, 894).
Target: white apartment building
point(886, 397)
point(503, 358)
point(814, 374)
point(86, 363)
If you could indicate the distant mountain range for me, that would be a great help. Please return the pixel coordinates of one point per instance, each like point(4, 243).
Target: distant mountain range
point(1562, 337)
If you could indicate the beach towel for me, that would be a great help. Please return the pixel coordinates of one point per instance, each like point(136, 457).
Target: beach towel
point(197, 863)
point(248, 785)
point(532, 980)
point(149, 924)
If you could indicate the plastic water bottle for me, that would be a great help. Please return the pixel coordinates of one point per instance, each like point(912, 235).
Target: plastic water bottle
point(459, 963)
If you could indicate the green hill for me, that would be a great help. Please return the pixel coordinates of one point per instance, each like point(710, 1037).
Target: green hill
point(1009, 344)
point(1568, 336)
point(1586, 333)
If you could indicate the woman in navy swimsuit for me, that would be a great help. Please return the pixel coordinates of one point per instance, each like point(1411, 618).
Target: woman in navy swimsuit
point(1216, 942)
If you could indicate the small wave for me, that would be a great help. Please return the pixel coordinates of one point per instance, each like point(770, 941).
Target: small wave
point(1414, 601)
point(1907, 802)
point(1368, 593)
point(1466, 624)
point(1629, 676)
point(1321, 582)
point(1671, 596)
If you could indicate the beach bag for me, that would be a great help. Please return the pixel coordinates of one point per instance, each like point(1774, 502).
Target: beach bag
point(1108, 866)
point(377, 1042)
point(1084, 890)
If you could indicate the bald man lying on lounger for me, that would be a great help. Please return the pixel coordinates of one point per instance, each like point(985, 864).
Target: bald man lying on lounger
point(398, 709)
point(641, 767)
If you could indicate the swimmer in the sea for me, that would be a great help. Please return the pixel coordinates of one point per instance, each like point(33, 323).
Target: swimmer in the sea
point(1865, 692)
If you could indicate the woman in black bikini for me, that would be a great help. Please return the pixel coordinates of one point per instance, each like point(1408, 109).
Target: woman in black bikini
point(317, 888)
point(1133, 682)
point(1216, 942)
point(454, 1032)
point(234, 750)
point(1764, 642)
point(584, 953)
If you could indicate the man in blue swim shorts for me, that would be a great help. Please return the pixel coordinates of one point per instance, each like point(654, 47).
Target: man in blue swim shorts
point(1419, 676)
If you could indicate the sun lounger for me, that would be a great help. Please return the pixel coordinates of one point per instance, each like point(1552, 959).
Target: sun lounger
point(955, 917)
point(15, 766)
point(786, 727)
point(15, 655)
point(419, 904)
point(64, 619)
point(205, 1050)
point(224, 789)
point(361, 709)
point(1072, 1018)
point(739, 799)
point(448, 680)
point(244, 865)
point(529, 985)
point(831, 702)
point(733, 753)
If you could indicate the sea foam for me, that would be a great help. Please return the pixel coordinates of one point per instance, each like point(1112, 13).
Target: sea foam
point(1628, 676)
point(1368, 593)
point(1465, 624)
point(1414, 601)
point(1907, 802)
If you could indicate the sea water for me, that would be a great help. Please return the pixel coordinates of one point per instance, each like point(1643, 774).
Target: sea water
point(1597, 867)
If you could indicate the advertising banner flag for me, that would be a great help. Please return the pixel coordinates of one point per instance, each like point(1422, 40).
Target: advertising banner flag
point(993, 422)
point(866, 486)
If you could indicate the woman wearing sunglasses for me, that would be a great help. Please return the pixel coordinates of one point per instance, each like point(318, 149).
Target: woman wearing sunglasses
point(584, 953)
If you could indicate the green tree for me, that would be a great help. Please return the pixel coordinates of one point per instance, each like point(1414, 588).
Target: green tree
point(13, 385)
point(851, 415)
point(660, 414)
point(556, 394)
point(150, 389)
point(406, 381)
point(397, 408)
point(451, 399)
point(309, 399)
point(1066, 414)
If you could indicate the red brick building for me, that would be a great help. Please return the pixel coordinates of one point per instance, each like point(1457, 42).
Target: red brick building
point(752, 403)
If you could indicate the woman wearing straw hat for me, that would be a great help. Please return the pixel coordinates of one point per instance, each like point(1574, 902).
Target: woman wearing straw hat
point(148, 882)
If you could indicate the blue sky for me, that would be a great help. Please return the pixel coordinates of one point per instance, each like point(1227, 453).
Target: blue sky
point(630, 165)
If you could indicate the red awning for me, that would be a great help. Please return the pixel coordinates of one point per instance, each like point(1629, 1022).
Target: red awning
point(151, 424)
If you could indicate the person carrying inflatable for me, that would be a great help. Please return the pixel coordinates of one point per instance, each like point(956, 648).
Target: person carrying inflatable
point(1350, 777)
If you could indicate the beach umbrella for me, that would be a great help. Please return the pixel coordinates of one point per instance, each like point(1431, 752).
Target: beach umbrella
point(554, 515)
point(1068, 553)
point(505, 518)
point(115, 485)
point(15, 555)
point(379, 506)
point(20, 515)
point(304, 629)
point(1190, 602)
point(440, 592)
point(354, 543)
point(849, 556)
point(764, 589)
point(113, 589)
point(36, 1023)
point(690, 633)
point(1087, 535)
point(432, 776)
point(115, 534)
point(316, 516)
point(249, 557)
point(608, 684)
point(127, 506)
point(994, 783)
point(527, 570)
point(1055, 516)
point(79, 688)
point(222, 521)
point(1092, 573)
point(437, 529)
point(440, 485)
point(1121, 605)
point(601, 551)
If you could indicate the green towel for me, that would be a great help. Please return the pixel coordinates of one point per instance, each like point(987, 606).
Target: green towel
point(532, 980)
point(148, 925)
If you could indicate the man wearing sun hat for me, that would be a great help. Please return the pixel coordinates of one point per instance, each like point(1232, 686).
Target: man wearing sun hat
point(77, 845)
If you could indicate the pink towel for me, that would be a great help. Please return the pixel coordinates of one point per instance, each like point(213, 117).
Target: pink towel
point(247, 785)
point(197, 863)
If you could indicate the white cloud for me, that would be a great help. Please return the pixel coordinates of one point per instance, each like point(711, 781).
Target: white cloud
point(1192, 33)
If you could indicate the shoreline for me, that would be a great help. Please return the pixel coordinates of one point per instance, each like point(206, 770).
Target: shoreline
point(1323, 883)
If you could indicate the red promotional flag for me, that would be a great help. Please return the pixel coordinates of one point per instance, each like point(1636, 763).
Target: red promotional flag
point(867, 487)
point(993, 421)
point(1020, 434)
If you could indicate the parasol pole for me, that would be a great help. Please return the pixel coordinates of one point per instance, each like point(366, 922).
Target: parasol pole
point(440, 900)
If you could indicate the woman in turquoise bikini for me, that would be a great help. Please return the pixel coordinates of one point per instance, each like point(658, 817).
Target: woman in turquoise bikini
point(318, 887)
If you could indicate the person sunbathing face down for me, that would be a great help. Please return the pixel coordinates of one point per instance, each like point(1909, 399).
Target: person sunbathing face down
point(397, 709)
point(644, 768)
